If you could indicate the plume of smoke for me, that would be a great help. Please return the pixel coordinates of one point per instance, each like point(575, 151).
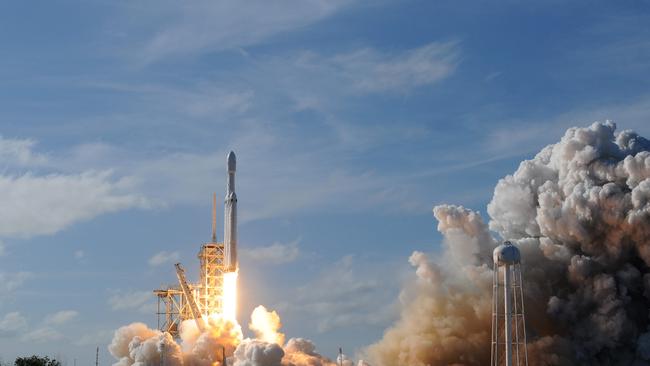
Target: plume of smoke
point(253, 352)
point(266, 325)
point(266, 349)
point(445, 317)
point(137, 345)
point(297, 352)
point(302, 352)
point(580, 213)
point(205, 348)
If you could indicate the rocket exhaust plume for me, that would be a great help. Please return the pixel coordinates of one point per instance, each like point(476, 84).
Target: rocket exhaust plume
point(579, 211)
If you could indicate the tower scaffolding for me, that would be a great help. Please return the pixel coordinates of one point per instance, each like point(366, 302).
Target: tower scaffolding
point(186, 300)
point(174, 307)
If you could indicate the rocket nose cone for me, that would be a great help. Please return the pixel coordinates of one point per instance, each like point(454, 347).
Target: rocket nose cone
point(232, 162)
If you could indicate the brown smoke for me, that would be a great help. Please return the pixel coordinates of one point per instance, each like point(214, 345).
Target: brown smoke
point(580, 213)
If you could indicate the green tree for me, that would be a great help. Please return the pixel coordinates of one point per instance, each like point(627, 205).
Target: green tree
point(36, 361)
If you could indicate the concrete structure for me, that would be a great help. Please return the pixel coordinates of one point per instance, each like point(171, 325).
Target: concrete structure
point(508, 319)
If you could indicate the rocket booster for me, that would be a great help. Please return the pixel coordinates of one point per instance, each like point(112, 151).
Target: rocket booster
point(230, 217)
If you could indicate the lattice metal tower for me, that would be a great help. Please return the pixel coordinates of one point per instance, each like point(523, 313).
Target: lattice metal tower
point(198, 300)
point(211, 256)
point(174, 306)
point(508, 319)
point(172, 309)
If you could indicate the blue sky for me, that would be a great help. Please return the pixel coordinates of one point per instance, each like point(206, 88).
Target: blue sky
point(350, 120)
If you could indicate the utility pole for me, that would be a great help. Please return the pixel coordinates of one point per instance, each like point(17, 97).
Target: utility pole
point(162, 354)
point(340, 356)
point(97, 357)
point(224, 361)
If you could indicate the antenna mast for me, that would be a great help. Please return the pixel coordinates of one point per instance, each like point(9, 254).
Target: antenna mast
point(214, 217)
point(224, 360)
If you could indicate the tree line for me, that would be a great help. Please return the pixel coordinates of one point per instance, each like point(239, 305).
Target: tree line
point(33, 361)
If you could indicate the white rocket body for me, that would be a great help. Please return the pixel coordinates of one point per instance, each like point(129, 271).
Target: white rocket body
point(230, 217)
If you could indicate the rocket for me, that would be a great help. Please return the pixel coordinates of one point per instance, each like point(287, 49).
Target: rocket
point(230, 217)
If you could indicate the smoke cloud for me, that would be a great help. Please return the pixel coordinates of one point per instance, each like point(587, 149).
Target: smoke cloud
point(580, 213)
point(266, 325)
point(137, 345)
point(252, 352)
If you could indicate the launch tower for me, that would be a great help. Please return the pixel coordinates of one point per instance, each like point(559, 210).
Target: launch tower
point(177, 303)
point(508, 321)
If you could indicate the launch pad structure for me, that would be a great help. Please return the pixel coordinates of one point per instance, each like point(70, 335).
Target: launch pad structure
point(177, 303)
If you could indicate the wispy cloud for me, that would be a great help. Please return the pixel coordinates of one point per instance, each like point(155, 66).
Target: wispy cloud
point(41, 335)
point(79, 254)
point(186, 29)
point(203, 99)
point(300, 164)
point(12, 323)
point(142, 301)
point(98, 337)
point(518, 137)
point(44, 204)
point(60, 317)
point(370, 70)
point(20, 152)
point(276, 253)
point(351, 297)
point(326, 82)
point(38, 204)
point(9, 282)
point(164, 257)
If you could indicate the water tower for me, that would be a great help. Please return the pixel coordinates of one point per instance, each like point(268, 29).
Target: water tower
point(508, 320)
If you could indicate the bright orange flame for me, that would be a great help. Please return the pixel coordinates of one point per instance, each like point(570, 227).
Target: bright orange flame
point(229, 301)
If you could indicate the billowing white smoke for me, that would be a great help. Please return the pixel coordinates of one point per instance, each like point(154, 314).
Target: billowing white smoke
point(266, 325)
point(136, 344)
point(252, 352)
point(207, 348)
point(580, 213)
